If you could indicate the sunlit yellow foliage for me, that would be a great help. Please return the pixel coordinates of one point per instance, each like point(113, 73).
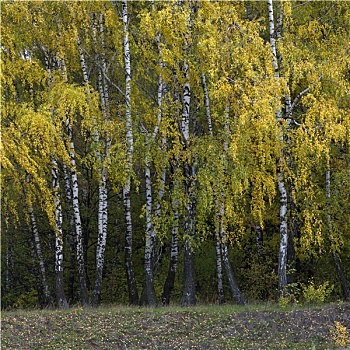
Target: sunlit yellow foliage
point(44, 97)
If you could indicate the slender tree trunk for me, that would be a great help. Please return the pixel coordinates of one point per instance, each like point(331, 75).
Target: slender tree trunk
point(185, 122)
point(189, 281)
point(221, 295)
point(341, 275)
point(223, 239)
point(207, 105)
point(189, 285)
point(259, 238)
point(293, 235)
point(229, 272)
point(133, 294)
point(117, 226)
point(39, 287)
point(282, 258)
point(174, 253)
point(149, 294)
point(221, 246)
point(188, 294)
point(102, 237)
point(59, 283)
point(77, 220)
point(231, 278)
point(102, 190)
point(10, 260)
point(60, 295)
point(72, 236)
point(157, 212)
point(45, 285)
point(293, 219)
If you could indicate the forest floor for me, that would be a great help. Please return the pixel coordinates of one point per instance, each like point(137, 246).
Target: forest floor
point(200, 327)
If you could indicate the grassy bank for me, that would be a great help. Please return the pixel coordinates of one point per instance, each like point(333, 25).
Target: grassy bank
point(201, 327)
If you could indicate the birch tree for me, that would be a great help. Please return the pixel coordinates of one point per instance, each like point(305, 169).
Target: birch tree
point(39, 254)
point(133, 294)
point(282, 259)
point(229, 128)
point(60, 294)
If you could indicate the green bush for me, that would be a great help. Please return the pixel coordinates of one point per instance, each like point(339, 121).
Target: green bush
point(316, 294)
point(27, 300)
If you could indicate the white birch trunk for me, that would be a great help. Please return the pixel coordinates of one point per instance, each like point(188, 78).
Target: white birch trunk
point(46, 290)
point(221, 295)
point(77, 219)
point(174, 253)
point(185, 123)
point(102, 237)
point(133, 294)
point(149, 295)
point(76, 243)
point(188, 294)
point(60, 295)
point(102, 189)
point(39, 254)
point(158, 209)
point(104, 68)
point(282, 258)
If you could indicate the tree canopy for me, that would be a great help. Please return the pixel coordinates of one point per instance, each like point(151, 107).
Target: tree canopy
point(146, 143)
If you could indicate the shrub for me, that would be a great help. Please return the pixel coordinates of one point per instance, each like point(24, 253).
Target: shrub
point(316, 294)
point(340, 335)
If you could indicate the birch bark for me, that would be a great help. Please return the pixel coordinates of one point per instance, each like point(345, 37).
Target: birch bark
point(188, 293)
point(174, 253)
point(60, 294)
point(74, 186)
point(149, 294)
point(101, 158)
point(45, 285)
point(77, 219)
point(221, 295)
point(133, 294)
point(282, 258)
